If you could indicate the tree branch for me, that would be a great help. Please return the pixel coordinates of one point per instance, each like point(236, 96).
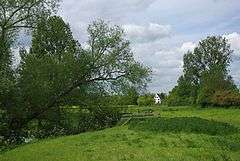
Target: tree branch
point(18, 21)
point(66, 92)
point(22, 26)
point(22, 7)
point(17, 10)
point(14, 12)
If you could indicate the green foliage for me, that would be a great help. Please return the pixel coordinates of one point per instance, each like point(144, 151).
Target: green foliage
point(211, 82)
point(146, 100)
point(95, 118)
point(205, 71)
point(182, 94)
point(128, 96)
point(58, 72)
point(77, 120)
point(40, 79)
point(175, 100)
point(162, 96)
point(211, 53)
point(14, 16)
point(204, 97)
point(7, 81)
point(225, 99)
point(62, 70)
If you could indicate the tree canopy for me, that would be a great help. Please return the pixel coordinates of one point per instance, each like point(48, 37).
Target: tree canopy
point(58, 71)
point(205, 71)
point(212, 52)
point(14, 16)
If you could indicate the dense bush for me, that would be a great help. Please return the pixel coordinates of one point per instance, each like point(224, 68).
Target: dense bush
point(175, 100)
point(126, 96)
point(146, 100)
point(204, 97)
point(216, 86)
point(182, 94)
point(121, 100)
point(71, 121)
point(226, 98)
point(219, 98)
point(91, 119)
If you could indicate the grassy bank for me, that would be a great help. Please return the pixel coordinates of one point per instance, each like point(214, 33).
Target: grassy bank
point(171, 134)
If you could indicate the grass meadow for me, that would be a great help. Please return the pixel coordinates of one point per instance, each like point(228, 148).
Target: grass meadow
point(147, 134)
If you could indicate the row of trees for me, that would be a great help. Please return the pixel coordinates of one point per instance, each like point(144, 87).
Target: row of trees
point(206, 80)
point(58, 72)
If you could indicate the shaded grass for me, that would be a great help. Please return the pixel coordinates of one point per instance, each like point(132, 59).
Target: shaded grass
point(230, 115)
point(183, 124)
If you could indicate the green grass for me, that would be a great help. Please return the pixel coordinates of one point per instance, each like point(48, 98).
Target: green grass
point(183, 124)
point(186, 134)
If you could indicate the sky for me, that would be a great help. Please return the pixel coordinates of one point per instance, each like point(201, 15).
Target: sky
point(161, 31)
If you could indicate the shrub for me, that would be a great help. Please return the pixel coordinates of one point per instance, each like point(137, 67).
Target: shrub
point(106, 116)
point(179, 101)
point(215, 85)
point(226, 98)
point(92, 119)
point(204, 97)
point(146, 100)
point(183, 94)
point(72, 121)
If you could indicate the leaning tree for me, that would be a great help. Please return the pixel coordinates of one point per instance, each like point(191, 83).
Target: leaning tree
point(57, 68)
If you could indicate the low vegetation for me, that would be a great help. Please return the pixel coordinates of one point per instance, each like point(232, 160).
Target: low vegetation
point(183, 124)
point(181, 133)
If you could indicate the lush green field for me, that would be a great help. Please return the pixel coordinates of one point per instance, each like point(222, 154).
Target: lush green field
point(171, 134)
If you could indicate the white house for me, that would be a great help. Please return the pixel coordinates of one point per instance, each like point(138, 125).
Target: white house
point(157, 99)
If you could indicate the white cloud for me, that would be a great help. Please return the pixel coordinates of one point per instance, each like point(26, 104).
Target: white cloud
point(106, 6)
point(234, 40)
point(144, 22)
point(151, 32)
point(89, 10)
point(165, 61)
point(187, 46)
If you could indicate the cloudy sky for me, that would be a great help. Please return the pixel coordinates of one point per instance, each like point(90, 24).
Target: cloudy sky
point(161, 31)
